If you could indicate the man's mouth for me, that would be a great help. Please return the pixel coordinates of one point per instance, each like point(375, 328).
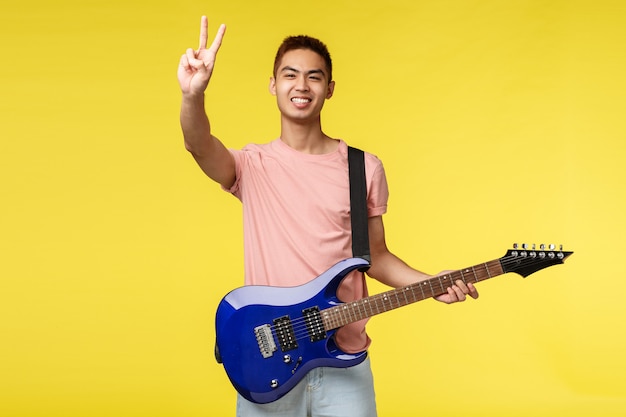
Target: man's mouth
point(300, 100)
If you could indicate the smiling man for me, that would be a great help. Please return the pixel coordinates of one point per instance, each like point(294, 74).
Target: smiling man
point(296, 211)
point(302, 82)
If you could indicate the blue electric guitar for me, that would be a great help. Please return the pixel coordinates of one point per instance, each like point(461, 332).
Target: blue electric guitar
point(268, 338)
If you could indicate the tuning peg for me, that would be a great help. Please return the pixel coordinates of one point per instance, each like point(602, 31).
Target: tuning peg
point(515, 246)
point(524, 246)
point(561, 248)
point(552, 246)
point(534, 246)
point(542, 246)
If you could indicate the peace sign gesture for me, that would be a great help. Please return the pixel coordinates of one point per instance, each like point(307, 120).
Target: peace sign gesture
point(196, 67)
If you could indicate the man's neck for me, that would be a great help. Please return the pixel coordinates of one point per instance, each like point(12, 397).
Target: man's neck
point(307, 138)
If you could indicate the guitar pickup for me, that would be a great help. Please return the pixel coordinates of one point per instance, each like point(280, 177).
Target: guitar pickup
point(314, 324)
point(285, 334)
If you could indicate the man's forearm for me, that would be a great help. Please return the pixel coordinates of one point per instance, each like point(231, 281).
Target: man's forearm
point(393, 271)
point(195, 124)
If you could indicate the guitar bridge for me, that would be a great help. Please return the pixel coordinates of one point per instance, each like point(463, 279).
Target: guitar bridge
point(264, 337)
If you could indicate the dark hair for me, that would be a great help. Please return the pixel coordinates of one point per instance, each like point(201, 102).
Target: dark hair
point(304, 42)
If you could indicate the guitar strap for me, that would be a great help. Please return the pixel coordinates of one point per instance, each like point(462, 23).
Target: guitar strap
point(358, 205)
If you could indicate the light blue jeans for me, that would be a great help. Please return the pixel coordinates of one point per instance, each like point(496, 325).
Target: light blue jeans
point(323, 392)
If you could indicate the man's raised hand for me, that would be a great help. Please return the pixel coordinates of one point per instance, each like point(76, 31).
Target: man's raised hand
point(196, 67)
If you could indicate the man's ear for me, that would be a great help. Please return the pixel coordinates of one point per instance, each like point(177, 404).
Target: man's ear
point(331, 89)
point(272, 86)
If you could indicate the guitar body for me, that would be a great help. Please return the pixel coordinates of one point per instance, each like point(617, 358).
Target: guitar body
point(269, 338)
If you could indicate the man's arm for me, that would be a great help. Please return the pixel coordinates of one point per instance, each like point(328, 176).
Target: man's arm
point(194, 73)
point(393, 271)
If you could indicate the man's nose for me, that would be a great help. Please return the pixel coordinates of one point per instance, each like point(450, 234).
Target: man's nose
point(302, 84)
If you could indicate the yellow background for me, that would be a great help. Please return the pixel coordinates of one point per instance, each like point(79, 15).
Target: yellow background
point(497, 121)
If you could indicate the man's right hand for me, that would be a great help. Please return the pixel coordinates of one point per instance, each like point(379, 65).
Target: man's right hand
point(196, 67)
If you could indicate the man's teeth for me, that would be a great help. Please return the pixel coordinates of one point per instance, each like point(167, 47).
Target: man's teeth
point(300, 100)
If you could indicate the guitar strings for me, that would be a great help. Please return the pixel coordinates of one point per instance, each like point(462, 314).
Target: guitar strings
point(300, 327)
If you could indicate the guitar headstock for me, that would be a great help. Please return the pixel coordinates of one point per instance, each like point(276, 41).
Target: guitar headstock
point(526, 260)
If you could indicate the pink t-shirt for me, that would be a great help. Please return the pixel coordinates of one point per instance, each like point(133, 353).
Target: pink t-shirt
point(296, 218)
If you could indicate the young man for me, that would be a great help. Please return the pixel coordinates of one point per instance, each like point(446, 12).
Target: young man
point(296, 210)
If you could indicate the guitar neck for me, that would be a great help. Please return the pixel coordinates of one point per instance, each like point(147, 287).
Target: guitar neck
point(343, 314)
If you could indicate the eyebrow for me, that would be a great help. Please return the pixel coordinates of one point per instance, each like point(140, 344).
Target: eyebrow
point(313, 71)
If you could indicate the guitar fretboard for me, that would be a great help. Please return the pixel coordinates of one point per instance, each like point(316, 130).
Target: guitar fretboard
point(343, 314)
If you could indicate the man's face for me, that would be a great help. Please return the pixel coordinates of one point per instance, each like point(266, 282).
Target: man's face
point(301, 85)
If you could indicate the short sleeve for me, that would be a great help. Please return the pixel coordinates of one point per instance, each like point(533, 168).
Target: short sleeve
point(377, 190)
point(239, 157)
